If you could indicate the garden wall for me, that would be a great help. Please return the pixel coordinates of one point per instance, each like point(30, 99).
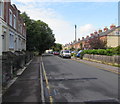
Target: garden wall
point(12, 62)
point(113, 60)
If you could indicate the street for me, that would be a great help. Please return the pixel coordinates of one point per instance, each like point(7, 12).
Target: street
point(71, 81)
point(56, 80)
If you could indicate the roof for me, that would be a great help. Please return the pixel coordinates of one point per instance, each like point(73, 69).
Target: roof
point(100, 34)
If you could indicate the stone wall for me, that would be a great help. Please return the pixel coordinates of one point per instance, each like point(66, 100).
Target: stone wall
point(12, 62)
point(0, 78)
point(113, 60)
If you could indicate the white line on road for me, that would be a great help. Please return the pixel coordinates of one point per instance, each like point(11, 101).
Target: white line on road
point(41, 81)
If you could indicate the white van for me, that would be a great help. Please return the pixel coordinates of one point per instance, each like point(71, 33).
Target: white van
point(65, 53)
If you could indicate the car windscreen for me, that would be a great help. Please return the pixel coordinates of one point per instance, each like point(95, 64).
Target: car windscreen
point(66, 51)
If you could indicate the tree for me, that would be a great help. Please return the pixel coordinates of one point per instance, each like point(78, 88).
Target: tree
point(57, 47)
point(39, 35)
point(81, 46)
point(72, 49)
point(96, 43)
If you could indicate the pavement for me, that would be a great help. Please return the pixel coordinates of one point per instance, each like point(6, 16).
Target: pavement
point(99, 65)
point(27, 87)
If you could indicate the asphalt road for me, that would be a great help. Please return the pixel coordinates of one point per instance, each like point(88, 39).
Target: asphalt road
point(71, 81)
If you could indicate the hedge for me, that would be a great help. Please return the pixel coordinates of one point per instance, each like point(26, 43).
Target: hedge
point(108, 52)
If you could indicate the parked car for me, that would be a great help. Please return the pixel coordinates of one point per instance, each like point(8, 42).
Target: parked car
point(65, 53)
point(55, 53)
point(78, 54)
point(74, 53)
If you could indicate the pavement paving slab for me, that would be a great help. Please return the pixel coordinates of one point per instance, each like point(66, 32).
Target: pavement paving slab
point(27, 87)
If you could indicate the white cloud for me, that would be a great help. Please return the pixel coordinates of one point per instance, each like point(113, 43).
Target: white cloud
point(63, 30)
point(86, 30)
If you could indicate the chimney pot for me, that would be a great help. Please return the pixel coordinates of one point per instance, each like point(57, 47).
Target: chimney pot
point(87, 36)
point(91, 34)
point(78, 39)
point(105, 29)
point(112, 26)
point(82, 38)
point(95, 32)
point(100, 31)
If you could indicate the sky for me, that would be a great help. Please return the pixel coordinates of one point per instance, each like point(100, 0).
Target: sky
point(62, 16)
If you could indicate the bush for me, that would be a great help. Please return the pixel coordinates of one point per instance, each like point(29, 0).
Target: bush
point(101, 52)
point(116, 50)
point(108, 52)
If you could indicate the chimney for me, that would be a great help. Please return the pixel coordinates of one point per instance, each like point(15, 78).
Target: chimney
point(95, 32)
point(82, 38)
point(78, 39)
point(99, 31)
point(105, 29)
point(112, 26)
point(91, 34)
point(87, 36)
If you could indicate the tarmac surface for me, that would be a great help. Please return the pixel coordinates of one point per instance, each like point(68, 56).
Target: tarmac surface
point(73, 82)
point(64, 81)
point(27, 87)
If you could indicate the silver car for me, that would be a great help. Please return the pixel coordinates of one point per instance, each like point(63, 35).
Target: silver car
point(65, 53)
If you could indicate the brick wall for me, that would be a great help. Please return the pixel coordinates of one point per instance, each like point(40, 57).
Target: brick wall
point(16, 13)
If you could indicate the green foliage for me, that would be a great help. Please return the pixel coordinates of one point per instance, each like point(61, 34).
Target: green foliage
point(78, 49)
point(39, 35)
point(117, 50)
point(72, 49)
point(108, 52)
point(57, 47)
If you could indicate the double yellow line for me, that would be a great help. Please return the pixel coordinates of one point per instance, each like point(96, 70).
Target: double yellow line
point(47, 83)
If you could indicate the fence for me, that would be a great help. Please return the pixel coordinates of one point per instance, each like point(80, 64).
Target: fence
point(12, 62)
point(114, 60)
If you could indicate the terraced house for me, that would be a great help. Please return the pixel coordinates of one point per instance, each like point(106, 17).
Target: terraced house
point(12, 28)
point(111, 36)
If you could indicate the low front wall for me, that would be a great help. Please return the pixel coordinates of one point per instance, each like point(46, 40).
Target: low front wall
point(113, 60)
point(0, 76)
point(12, 62)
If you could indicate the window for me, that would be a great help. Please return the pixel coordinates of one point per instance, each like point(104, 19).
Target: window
point(20, 28)
point(1, 9)
point(11, 40)
point(10, 17)
point(14, 21)
point(117, 33)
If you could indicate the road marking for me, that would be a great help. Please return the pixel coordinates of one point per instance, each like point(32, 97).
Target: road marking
point(116, 72)
point(47, 83)
point(41, 81)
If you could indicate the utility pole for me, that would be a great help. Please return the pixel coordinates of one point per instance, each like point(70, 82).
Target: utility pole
point(75, 33)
